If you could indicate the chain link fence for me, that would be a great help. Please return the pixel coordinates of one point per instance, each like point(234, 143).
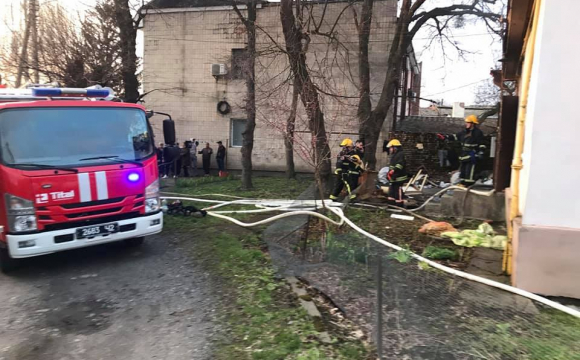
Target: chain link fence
point(411, 310)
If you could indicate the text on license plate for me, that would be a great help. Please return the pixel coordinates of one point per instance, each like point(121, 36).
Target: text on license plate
point(92, 231)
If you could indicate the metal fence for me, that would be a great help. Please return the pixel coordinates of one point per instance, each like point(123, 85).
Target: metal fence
point(414, 311)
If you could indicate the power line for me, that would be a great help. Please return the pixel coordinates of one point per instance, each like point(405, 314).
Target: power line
point(457, 88)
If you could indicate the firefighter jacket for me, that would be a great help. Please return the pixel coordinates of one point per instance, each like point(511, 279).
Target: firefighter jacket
point(399, 167)
point(346, 164)
point(472, 144)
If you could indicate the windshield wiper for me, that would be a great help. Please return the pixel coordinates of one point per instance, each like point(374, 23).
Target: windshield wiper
point(47, 167)
point(113, 158)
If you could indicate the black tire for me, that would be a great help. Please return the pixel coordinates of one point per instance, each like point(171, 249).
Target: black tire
point(134, 242)
point(7, 263)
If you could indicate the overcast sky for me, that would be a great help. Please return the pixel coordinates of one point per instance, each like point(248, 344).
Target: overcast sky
point(450, 78)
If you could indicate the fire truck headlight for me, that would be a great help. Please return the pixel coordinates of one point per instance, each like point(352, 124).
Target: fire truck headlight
point(152, 202)
point(21, 214)
point(24, 223)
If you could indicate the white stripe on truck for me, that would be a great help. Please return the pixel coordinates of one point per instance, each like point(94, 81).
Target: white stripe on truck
point(102, 190)
point(84, 187)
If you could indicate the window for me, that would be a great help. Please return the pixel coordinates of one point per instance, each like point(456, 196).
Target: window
point(238, 63)
point(238, 126)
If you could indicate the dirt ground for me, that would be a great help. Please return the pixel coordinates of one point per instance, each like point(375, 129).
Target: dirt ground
point(109, 302)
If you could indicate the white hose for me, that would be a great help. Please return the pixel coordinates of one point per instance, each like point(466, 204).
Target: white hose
point(335, 208)
point(277, 217)
point(203, 195)
point(484, 193)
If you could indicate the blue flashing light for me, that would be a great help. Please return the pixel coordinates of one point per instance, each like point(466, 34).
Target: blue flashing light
point(46, 92)
point(98, 93)
point(70, 92)
point(133, 177)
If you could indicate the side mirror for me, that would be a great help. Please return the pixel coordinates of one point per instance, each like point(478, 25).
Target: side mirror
point(169, 131)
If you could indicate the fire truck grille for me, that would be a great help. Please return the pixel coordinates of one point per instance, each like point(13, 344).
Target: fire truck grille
point(93, 203)
point(101, 220)
point(92, 213)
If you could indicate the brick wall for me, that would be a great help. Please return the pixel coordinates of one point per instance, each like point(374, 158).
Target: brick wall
point(179, 48)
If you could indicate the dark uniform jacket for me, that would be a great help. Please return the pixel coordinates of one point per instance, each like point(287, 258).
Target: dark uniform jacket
point(345, 163)
point(471, 144)
point(221, 152)
point(399, 165)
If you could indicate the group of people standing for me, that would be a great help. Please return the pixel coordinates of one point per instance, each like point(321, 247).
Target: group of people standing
point(350, 162)
point(175, 160)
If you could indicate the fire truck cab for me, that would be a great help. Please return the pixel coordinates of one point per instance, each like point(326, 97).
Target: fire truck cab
point(76, 170)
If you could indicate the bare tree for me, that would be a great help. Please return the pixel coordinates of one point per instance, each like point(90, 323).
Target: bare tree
point(412, 18)
point(296, 46)
point(102, 47)
point(128, 25)
point(487, 93)
point(289, 135)
point(249, 68)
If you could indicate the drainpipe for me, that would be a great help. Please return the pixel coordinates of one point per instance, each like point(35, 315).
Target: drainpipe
point(517, 164)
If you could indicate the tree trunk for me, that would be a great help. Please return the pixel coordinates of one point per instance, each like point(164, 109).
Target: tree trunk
point(308, 92)
point(370, 126)
point(289, 138)
point(127, 35)
point(248, 133)
point(23, 58)
point(364, 31)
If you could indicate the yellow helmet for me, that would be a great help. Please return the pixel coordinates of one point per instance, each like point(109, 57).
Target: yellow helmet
point(346, 142)
point(394, 142)
point(472, 119)
point(356, 158)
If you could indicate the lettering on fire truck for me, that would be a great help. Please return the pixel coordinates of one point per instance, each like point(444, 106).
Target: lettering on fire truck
point(55, 196)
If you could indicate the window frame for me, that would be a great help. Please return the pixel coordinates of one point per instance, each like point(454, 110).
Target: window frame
point(232, 120)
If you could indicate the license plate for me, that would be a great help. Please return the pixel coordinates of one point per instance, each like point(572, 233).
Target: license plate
point(97, 230)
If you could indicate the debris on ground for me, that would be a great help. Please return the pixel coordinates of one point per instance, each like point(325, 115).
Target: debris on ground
point(403, 217)
point(177, 208)
point(436, 228)
point(484, 236)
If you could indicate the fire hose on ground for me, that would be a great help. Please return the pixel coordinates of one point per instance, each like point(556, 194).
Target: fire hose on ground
point(310, 207)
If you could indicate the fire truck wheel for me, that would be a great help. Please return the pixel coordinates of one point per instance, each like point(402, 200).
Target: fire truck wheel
point(133, 242)
point(7, 263)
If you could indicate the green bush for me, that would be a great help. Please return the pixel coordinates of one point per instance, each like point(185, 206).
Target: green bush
point(439, 253)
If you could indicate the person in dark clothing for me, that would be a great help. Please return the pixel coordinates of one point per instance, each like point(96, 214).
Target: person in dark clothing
point(160, 165)
point(193, 154)
point(221, 157)
point(186, 158)
point(359, 149)
point(472, 149)
point(206, 158)
point(348, 169)
point(168, 160)
point(397, 173)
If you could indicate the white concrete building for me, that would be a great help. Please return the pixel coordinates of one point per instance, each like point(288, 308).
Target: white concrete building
point(546, 230)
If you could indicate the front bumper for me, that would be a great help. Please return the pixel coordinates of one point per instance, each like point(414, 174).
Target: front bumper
point(45, 241)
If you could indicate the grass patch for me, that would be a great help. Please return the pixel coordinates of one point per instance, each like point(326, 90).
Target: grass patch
point(261, 315)
point(264, 187)
point(551, 335)
point(440, 253)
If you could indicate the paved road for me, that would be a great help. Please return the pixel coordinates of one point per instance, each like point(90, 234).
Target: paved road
point(108, 302)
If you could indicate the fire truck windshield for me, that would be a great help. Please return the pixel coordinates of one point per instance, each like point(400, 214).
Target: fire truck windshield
point(64, 136)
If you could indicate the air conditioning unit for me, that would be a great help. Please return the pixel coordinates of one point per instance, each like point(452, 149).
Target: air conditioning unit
point(218, 69)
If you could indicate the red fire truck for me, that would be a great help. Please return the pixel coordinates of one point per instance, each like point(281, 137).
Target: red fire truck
point(75, 170)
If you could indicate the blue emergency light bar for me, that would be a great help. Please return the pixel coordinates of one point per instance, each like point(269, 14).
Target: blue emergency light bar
point(70, 92)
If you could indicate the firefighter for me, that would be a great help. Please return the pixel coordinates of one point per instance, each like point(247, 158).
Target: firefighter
point(472, 149)
point(397, 174)
point(359, 149)
point(348, 169)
